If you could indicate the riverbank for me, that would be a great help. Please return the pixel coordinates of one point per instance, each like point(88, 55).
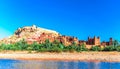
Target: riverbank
point(83, 56)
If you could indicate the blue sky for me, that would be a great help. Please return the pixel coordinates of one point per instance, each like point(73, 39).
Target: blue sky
point(80, 18)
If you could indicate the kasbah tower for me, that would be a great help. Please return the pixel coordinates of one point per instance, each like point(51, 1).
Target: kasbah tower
point(96, 42)
point(93, 41)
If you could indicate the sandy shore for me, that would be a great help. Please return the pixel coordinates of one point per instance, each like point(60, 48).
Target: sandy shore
point(83, 56)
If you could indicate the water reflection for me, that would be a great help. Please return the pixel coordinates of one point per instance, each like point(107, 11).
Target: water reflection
point(17, 64)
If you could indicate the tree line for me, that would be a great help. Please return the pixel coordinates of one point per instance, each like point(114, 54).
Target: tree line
point(55, 46)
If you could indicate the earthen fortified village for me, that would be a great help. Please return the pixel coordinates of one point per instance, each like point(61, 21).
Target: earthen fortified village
point(36, 34)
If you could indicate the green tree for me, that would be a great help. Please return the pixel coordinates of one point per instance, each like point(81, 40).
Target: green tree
point(29, 49)
point(47, 44)
point(56, 42)
point(13, 47)
point(96, 48)
point(118, 48)
point(61, 46)
point(83, 48)
point(78, 49)
point(115, 43)
point(35, 46)
point(109, 48)
point(4, 47)
point(22, 45)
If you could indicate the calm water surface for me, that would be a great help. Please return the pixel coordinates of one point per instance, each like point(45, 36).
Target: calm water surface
point(34, 64)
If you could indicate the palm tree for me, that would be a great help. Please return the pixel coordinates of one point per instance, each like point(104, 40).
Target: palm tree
point(115, 43)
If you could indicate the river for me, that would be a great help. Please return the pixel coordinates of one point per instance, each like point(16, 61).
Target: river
point(37, 64)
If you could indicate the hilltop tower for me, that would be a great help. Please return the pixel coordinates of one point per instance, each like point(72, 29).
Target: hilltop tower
point(111, 41)
point(96, 40)
point(93, 41)
point(90, 41)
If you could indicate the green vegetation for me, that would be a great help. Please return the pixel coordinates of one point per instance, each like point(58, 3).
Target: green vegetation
point(55, 46)
point(110, 48)
point(96, 48)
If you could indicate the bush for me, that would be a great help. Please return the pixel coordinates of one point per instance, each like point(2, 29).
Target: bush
point(95, 48)
point(12, 47)
point(78, 49)
point(55, 49)
point(43, 50)
point(35, 46)
point(21, 45)
point(118, 48)
point(71, 48)
point(83, 48)
point(109, 48)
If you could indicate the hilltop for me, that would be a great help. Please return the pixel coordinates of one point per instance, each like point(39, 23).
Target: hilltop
point(29, 33)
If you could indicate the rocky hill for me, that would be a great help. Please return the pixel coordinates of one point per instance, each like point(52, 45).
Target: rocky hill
point(28, 33)
point(36, 34)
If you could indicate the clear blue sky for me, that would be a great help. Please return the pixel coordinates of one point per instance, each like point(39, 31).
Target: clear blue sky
point(80, 18)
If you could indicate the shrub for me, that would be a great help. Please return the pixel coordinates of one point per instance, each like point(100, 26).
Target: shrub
point(12, 47)
point(22, 45)
point(78, 49)
point(35, 46)
point(118, 48)
point(83, 48)
point(109, 48)
point(96, 48)
point(43, 50)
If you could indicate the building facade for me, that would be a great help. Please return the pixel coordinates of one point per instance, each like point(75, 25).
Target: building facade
point(93, 41)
